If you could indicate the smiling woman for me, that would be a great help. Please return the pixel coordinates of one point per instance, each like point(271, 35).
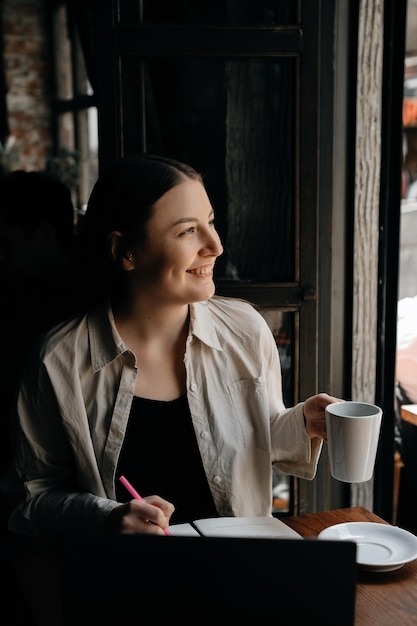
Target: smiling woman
point(161, 380)
point(176, 249)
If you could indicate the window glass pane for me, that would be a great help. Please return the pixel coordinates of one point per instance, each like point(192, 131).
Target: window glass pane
point(92, 149)
point(87, 153)
point(76, 161)
point(281, 324)
point(82, 86)
point(281, 492)
point(76, 158)
point(248, 157)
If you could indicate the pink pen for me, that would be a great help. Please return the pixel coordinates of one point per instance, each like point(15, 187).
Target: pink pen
point(135, 494)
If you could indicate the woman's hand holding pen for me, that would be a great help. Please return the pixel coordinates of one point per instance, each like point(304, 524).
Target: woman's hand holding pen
point(150, 515)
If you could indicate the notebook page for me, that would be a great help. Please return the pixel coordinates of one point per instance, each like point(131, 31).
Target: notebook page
point(245, 527)
point(183, 530)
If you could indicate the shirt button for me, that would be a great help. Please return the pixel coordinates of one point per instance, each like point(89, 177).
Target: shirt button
point(217, 480)
point(204, 435)
point(193, 387)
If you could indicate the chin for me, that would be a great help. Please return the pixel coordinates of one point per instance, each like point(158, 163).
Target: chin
point(204, 294)
point(210, 292)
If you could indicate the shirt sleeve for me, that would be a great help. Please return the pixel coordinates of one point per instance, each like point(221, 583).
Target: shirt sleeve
point(68, 512)
point(54, 497)
point(293, 452)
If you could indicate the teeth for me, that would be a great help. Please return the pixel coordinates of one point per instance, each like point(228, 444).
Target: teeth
point(201, 271)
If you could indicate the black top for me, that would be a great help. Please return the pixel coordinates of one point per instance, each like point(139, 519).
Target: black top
point(160, 456)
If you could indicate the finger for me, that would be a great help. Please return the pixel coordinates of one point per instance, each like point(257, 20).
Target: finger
point(166, 507)
point(148, 512)
point(135, 525)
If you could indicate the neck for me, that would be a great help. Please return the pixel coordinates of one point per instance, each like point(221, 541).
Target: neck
point(147, 322)
point(157, 337)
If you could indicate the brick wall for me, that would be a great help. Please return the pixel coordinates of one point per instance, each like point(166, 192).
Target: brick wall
point(28, 83)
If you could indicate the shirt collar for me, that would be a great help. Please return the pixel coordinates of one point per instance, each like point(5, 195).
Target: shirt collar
point(107, 345)
point(202, 324)
point(105, 342)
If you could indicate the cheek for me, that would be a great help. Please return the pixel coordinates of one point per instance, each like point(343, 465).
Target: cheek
point(155, 265)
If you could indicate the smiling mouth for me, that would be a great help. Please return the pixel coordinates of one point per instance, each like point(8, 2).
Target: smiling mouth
point(201, 271)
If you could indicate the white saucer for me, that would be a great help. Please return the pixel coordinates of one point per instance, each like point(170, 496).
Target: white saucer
point(380, 547)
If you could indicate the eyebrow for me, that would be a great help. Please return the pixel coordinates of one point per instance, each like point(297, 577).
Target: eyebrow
point(184, 220)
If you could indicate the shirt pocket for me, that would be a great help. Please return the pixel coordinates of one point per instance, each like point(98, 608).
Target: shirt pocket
point(249, 404)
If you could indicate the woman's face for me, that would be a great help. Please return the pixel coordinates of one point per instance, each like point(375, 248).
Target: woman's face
point(176, 260)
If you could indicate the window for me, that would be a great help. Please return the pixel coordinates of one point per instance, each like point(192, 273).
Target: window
point(75, 109)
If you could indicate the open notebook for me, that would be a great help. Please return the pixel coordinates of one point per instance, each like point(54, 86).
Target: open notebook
point(110, 580)
point(235, 527)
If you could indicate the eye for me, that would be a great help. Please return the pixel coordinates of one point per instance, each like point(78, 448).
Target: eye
point(188, 231)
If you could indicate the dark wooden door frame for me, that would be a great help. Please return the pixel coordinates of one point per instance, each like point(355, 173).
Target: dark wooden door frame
point(390, 211)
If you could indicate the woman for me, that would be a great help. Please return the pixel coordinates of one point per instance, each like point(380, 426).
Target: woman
point(175, 388)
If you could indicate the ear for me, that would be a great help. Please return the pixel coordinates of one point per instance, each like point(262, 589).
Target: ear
point(118, 251)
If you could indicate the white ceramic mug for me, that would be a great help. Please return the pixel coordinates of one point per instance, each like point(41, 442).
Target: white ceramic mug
point(352, 439)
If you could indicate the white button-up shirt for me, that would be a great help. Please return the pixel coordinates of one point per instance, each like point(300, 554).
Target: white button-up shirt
point(74, 405)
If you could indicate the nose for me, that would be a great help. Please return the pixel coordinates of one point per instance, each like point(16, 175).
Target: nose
point(212, 246)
